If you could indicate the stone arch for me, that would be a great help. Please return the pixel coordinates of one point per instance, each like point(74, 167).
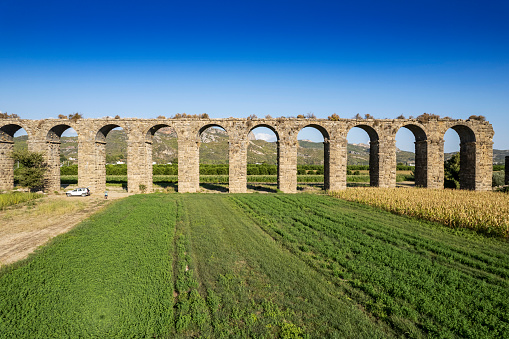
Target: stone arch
point(251, 147)
point(149, 134)
point(374, 152)
point(204, 149)
point(100, 156)
point(53, 154)
point(320, 128)
point(55, 132)
point(7, 133)
point(206, 126)
point(272, 128)
point(326, 152)
point(104, 130)
point(372, 133)
point(421, 153)
point(468, 155)
point(148, 159)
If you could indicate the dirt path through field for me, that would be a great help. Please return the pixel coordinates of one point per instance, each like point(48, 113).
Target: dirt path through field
point(24, 228)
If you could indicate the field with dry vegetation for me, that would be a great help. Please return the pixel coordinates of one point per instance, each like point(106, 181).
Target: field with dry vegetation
point(484, 212)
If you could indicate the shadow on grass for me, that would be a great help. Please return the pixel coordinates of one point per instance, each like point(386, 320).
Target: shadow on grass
point(265, 188)
point(309, 187)
point(357, 184)
point(223, 188)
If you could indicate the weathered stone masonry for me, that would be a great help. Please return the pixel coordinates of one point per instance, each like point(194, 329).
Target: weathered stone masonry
point(476, 147)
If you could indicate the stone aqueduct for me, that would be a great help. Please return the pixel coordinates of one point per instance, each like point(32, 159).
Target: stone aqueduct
point(476, 148)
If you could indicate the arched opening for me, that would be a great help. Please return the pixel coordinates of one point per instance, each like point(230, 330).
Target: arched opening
point(12, 138)
point(111, 158)
point(214, 158)
point(162, 158)
point(262, 159)
point(62, 157)
point(411, 156)
point(464, 176)
point(313, 158)
point(362, 156)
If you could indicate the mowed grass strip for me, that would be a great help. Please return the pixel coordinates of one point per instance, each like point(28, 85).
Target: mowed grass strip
point(255, 288)
point(421, 279)
point(110, 277)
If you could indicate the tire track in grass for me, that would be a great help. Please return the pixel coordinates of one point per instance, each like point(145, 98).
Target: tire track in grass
point(257, 289)
point(109, 277)
point(192, 316)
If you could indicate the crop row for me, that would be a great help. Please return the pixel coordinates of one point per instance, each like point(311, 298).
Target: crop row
point(486, 212)
point(418, 279)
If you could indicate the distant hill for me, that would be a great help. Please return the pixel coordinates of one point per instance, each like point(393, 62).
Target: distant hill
point(499, 156)
point(214, 149)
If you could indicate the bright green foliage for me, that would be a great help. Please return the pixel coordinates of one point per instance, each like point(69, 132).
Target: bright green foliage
point(32, 168)
point(259, 266)
point(222, 169)
point(14, 198)
point(110, 277)
point(253, 287)
point(421, 279)
point(69, 170)
point(452, 172)
point(162, 179)
point(498, 179)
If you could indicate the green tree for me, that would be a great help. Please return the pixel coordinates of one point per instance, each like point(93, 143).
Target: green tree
point(32, 168)
point(452, 172)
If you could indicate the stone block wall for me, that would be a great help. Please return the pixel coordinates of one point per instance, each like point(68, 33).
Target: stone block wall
point(476, 147)
point(6, 166)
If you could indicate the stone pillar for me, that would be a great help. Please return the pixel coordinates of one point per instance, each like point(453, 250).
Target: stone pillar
point(149, 178)
point(52, 177)
point(335, 164)
point(6, 165)
point(100, 166)
point(507, 170)
point(87, 165)
point(374, 164)
point(387, 163)
point(237, 164)
point(468, 165)
point(483, 164)
point(421, 163)
point(50, 150)
point(136, 166)
point(435, 163)
point(188, 164)
point(287, 164)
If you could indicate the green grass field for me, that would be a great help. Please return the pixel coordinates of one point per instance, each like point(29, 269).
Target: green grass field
point(257, 265)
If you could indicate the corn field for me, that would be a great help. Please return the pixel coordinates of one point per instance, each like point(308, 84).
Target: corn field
point(484, 212)
point(9, 199)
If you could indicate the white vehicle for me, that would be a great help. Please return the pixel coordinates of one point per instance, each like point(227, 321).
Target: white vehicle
point(82, 191)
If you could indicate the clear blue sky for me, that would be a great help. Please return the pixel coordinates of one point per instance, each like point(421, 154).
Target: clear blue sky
point(149, 58)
